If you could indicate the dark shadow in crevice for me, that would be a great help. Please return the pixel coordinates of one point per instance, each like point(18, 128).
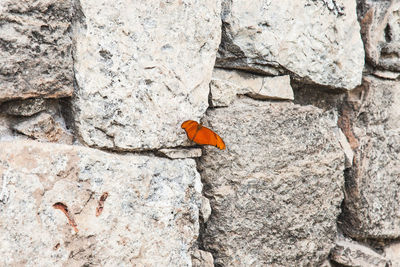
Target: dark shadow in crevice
point(322, 97)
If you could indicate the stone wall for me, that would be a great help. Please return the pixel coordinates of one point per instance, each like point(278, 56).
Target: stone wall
point(96, 170)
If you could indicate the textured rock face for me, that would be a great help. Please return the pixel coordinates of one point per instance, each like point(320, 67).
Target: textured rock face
point(392, 252)
point(317, 41)
point(381, 32)
point(149, 216)
point(35, 49)
point(26, 107)
point(142, 69)
point(202, 258)
point(226, 84)
point(44, 127)
point(277, 185)
point(371, 207)
point(350, 253)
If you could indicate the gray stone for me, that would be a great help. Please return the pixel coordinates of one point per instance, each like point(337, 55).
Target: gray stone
point(381, 32)
point(201, 258)
point(387, 75)
point(350, 253)
point(371, 121)
point(150, 217)
point(142, 68)
point(205, 210)
point(316, 42)
point(276, 189)
point(44, 127)
point(392, 253)
point(27, 107)
point(35, 49)
point(226, 84)
point(180, 153)
point(348, 151)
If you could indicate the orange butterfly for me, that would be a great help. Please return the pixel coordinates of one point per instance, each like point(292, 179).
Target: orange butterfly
point(202, 135)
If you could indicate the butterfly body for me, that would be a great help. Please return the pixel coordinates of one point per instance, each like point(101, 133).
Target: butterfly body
point(202, 135)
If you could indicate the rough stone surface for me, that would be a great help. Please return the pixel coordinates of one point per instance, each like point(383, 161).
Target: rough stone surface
point(276, 190)
point(142, 68)
point(371, 122)
point(150, 217)
point(205, 210)
point(181, 153)
point(26, 107)
point(201, 258)
point(348, 151)
point(352, 254)
point(316, 41)
point(387, 75)
point(6, 133)
point(381, 32)
point(226, 84)
point(392, 252)
point(44, 127)
point(35, 49)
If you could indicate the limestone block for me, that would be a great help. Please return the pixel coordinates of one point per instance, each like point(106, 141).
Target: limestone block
point(276, 190)
point(44, 127)
point(392, 252)
point(35, 49)
point(371, 207)
point(201, 258)
point(349, 253)
point(142, 68)
point(318, 42)
point(26, 107)
point(381, 32)
point(73, 206)
point(226, 84)
point(387, 75)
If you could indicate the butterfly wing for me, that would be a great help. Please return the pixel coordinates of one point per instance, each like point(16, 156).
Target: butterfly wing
point(202, 135)
point(191, 128)
point(206, 136)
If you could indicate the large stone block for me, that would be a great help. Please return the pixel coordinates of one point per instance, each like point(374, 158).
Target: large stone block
point(371, 121)
point(315, 41)
point(276, 190)
point(72, 206)
point(142, 68)
point(381, 32)
point(226, 84)
point(350, 253)
point(35, 49)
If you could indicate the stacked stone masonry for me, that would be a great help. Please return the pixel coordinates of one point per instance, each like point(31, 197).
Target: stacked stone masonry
point(95, 168)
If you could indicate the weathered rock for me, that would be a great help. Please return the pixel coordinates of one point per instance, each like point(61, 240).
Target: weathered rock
point(205, 210)
point(44, 127)
point(276, 190)
point(392, 253)
point(180, 153)
point(387, 75)
point(6, 133)
point(149, 218)
point(371, 122)
point(226, 84)
point(348, 151)
point(381, 32)
point(316, 41)
point(352, 254)
point(201, 258)
point(135, 92)
point(35, 48)
point(27, 107)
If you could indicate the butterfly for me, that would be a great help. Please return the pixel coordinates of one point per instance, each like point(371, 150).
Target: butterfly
point(202, 135)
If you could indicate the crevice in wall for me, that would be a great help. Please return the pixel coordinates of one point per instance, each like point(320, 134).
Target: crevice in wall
point(322, 97)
